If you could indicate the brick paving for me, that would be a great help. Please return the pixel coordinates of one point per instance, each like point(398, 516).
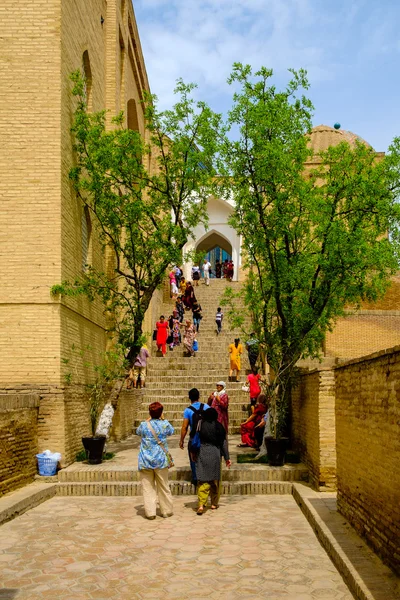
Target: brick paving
point(252, 547)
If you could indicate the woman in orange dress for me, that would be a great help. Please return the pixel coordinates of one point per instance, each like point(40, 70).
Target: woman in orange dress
point(235, 351)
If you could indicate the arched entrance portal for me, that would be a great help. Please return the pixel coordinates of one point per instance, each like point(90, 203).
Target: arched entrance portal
point(219, 240)
point(215, 247)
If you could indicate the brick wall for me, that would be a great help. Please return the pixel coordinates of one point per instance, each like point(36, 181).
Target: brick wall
point(129, 404)
point(365, 332)
point(29, 188)
point(368, 449)
point(313, 426)
point(18, 440)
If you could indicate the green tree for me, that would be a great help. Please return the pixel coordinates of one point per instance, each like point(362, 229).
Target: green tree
point(315, 241)
point(143, 215)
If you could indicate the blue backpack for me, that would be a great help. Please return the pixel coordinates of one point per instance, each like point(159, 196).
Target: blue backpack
point(195, 428)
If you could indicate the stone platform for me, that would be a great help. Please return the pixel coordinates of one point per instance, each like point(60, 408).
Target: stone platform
point(120, 477)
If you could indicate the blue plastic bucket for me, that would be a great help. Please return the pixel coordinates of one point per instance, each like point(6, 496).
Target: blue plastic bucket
point(47, 465)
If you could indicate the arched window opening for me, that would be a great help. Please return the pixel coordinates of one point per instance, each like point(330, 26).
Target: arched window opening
point(87, 73)
point(132, 118)
point(86, 238)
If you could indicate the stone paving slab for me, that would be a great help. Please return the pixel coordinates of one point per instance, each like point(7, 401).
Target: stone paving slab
point(103, 548)
point(362, 569)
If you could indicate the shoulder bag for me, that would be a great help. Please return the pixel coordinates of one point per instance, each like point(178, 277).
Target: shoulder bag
point(170, 460)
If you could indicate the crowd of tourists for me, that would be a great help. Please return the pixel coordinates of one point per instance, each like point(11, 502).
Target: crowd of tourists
point(206, 422)
point(178, 284)
point(207, 425)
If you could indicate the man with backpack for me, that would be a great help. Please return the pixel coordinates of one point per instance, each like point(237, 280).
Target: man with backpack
point(192, 417)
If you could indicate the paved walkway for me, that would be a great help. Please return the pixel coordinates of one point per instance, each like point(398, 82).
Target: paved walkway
point(102, 548)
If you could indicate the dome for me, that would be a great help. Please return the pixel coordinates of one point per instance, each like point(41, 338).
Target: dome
point(323, 136)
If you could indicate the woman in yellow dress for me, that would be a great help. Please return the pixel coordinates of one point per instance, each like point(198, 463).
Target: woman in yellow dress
point(235, 350)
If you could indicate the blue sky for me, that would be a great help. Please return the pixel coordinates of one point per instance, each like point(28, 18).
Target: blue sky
point(350, 48)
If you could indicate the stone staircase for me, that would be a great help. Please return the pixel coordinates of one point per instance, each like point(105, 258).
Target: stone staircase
point(170, 378)
point(168, 381)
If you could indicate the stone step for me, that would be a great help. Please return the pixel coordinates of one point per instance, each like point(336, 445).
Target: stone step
point(181, 398)
point(236, 417)
point(178, 488)
point(160, 381)
point(188, 363)
point(237, 473)
point(234, 424)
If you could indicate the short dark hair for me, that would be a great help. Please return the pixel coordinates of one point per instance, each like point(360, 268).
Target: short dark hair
point(194, 395)
point(162, 317)
point(218, 309)
point(155, 410)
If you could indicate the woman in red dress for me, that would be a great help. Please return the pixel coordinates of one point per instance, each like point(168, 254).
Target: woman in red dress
point(189, 298)
point(247, 428)
point(254, 382)
point(162, 335)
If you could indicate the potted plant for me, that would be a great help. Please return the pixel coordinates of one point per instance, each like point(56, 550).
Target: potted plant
point(94, 444)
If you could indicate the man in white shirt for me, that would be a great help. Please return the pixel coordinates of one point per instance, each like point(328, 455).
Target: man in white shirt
point(206, 270)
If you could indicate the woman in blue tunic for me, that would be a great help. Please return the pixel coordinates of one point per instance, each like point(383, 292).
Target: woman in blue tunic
point(153, 462)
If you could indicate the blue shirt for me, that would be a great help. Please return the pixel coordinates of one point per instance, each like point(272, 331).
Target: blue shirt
point(188, 413)
point(151, 455)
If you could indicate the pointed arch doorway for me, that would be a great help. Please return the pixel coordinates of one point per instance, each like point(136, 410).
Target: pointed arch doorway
point(214, 246)
point(219, 239)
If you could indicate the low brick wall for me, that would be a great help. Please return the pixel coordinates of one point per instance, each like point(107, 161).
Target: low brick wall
point(18, 440)
point(313, 426)
point(129, 403)
point(368, 449)
point(62, 417)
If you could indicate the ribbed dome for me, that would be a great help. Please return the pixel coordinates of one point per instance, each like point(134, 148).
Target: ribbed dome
point(323, 136)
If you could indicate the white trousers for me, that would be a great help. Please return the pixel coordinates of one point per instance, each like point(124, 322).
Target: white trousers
point(155, 483)
point(207, 277)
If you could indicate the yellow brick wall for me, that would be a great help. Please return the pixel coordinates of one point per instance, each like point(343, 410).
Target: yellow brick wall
point(363, 333)
point(129, 404)
point(368, 449)
point(305, 423)
point(313, 426)
point(41, 219)
point(18, 440)
point(30, 186)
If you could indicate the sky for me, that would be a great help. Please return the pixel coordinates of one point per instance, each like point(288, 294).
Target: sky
point(350, 49)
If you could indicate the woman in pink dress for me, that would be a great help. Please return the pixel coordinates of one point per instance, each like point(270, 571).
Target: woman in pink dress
point(220, 401)
point(173, 287)
point(162, 335)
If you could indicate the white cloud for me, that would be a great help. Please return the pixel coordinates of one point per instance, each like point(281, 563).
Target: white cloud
point(199, 40)
point(349, 48)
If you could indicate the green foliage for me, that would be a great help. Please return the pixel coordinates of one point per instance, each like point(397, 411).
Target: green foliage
point(314, 241)
point(291, 457)
point(144, 215)
point(81, 456)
